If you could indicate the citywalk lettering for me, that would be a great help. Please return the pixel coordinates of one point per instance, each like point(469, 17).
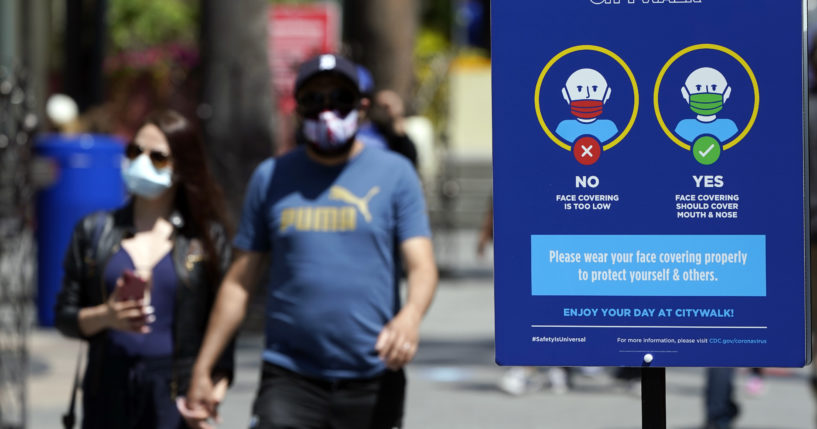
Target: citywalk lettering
point(649, 312)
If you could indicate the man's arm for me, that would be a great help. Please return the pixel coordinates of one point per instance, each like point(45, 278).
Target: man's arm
point(228, 312)
point(398, 340)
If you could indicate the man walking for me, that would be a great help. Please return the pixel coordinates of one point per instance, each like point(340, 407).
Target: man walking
point(331, 214)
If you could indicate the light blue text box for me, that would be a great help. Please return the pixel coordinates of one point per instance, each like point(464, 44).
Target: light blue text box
point(744, 276)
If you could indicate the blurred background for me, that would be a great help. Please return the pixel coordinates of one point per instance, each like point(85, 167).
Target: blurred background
point(77, 77)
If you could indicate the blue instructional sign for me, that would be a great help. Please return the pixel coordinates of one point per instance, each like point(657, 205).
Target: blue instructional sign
point(649, 192)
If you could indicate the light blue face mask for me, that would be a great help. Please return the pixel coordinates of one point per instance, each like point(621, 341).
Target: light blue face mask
point(143, 179)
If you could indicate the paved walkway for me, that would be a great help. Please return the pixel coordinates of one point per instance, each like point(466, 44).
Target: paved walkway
point(452, 382)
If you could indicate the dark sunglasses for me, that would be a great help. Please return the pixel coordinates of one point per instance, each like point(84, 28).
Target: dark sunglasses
point(313, 103)
point(159, 159)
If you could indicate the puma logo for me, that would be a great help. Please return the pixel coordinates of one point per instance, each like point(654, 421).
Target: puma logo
point(340, 193)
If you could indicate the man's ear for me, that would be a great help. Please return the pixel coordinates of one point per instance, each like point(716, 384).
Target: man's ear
point(727, 93)
point(685, 93)
point(607, 95)
point(565, 96)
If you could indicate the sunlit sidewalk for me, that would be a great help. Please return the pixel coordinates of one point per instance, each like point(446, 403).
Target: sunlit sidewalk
point(453, 382)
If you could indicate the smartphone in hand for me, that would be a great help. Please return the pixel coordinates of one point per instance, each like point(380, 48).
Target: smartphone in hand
point(133, 286)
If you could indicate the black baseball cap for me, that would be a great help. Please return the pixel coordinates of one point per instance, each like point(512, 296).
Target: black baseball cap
point(327, 63)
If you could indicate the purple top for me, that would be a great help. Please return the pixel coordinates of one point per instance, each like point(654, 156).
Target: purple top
point(159, 342)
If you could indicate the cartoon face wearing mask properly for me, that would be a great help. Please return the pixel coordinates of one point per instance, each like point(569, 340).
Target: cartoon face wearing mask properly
point(141, 175)
point(706, 91)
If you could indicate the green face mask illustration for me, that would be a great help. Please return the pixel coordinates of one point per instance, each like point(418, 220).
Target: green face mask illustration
point(706, 104)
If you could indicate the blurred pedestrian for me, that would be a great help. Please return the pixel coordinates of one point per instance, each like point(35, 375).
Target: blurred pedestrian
point(139, 281)
point(486, 231)
point(721, 408)
point(388, 116)
point(519, 380)
point(754, 383)
point(327, 214)
point(382, 122)
point(628, 378)
point(367, 133)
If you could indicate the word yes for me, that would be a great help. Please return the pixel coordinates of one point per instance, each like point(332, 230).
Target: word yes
point(708, 181)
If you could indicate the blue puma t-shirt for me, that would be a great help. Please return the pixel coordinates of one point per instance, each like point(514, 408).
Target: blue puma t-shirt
point(331, 232)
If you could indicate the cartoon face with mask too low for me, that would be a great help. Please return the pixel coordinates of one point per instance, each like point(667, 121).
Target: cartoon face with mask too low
point(586, 92)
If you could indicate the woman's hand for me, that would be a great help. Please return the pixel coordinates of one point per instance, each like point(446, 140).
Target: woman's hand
point(220, 384)
point(130, 315)
point(202, 400)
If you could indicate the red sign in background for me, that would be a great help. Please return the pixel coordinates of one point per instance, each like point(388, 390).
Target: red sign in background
point(296, 33)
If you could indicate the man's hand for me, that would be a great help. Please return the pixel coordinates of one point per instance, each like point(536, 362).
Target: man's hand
point(397, 343)
point(202, 400)
point(205, 394)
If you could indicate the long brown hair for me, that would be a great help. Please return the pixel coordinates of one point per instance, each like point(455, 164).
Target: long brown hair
point(199, 198)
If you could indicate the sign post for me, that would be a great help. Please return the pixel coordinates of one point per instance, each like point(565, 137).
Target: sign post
point(653, 398)
point(649, 184)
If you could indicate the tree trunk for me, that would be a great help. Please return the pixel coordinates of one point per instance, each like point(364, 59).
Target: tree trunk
point(380, 35)
point(236, 109)
point(85, 35)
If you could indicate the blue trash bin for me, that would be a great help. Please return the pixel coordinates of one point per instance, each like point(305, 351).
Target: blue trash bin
point(88, 179)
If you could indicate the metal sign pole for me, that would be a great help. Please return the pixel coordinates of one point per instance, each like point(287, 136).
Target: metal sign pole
point(653, 398)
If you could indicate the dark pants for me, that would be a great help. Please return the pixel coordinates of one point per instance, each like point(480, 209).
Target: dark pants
point(721, 408)
point(287, 400)
point(131, 394)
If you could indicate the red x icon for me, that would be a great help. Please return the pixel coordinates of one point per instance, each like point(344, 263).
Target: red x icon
point(587, 150)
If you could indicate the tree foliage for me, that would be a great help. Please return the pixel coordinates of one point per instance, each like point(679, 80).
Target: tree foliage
point(138, 24)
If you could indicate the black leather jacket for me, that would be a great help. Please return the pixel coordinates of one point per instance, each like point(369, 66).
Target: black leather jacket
point(83, 286)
